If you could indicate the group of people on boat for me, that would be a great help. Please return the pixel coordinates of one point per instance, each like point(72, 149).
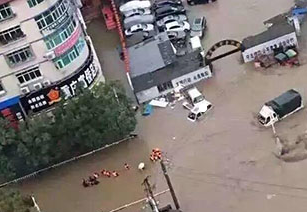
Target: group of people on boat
point(156, 154)
point(93, 179)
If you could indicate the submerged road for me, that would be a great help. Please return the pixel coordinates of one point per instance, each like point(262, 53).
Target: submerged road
point(223, 163)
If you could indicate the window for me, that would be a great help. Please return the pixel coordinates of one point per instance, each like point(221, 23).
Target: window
point(5, 12)
point(71, 55)
point(10, 35)
point(19, 56)
point(51, 15)
point(58, 38)
point(33, 3)
point(28, 75)
point(165, 86)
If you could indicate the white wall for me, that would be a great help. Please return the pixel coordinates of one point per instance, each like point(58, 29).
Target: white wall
point(148, 94)
point(193, 77)
point(187, 79)
point(289, 39)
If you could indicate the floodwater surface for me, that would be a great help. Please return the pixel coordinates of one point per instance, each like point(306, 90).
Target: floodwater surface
point(223, 163)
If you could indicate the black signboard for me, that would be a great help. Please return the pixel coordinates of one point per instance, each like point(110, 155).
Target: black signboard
point(47, 97)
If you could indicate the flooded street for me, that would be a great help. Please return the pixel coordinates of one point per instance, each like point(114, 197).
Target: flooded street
point(223, 163)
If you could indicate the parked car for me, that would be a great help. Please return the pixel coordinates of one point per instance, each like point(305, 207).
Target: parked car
point(139, 11)
point(163, 3)
point(198, 27)
point(138, 19)
point(134, 5)
point(176, 26)
point(170, 18)
point(194, 2)
point(145, 28)
point(169, 10)
point(175, 35)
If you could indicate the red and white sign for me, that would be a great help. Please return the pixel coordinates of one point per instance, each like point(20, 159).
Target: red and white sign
point(69, 43)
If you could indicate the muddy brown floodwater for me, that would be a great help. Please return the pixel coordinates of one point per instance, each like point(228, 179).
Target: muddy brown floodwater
point(223, 163)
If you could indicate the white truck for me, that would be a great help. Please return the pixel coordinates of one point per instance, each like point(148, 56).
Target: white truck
point(280, 107)
point(199, 105)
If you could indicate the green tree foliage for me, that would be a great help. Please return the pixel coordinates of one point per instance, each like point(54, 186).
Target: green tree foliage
point(8, 139)
point(90, 120)
point(13, 201)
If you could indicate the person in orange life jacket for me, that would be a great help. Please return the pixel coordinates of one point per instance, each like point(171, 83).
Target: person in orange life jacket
point(96, 175)
point(108, 174)
point(115, 174)
point(127, 167)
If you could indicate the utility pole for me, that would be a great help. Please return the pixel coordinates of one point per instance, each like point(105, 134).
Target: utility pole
point(169, 183)
point(151, 199)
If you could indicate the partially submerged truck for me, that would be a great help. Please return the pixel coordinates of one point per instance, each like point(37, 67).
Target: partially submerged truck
point(198, 106)
point(280, 107)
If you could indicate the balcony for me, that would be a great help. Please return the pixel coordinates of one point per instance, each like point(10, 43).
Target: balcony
point(52, 27)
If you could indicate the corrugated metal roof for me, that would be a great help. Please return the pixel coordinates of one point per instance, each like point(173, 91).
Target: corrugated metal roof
point(271, 33)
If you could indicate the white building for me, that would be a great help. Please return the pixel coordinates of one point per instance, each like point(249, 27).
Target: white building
point(44, 53)
point(279, 35)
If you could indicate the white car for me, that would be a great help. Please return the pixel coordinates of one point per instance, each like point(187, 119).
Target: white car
point(171, 18)
point(145, 28)
point(139, 11)
point(138, 19)
point(176, 26)
point(134, 5)
point(199, 110)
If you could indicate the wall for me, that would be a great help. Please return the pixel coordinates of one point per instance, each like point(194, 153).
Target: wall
point(185, 80)
point(265, 48)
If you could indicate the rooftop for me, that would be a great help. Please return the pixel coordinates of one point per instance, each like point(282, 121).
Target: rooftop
point(273, 32)
point(151, 55)
point(181, 65)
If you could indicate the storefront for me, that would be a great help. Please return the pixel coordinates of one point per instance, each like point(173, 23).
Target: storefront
point(10, 110)
point(47, 97)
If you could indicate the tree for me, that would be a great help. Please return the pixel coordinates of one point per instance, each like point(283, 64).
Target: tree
point(90, 120)
point(95, 117)
point(13, 201)
point(8, 140)
point(37, 145)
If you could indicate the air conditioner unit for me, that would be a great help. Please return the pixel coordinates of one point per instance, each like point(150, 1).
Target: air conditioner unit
point(37, 86)
point(25, 90)
point(46, 83)
point(49, 55)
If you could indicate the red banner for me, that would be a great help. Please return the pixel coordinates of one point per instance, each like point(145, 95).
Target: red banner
point(69, 43)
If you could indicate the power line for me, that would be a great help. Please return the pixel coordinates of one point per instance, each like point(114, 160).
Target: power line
point(232, 186)
point(244, 180)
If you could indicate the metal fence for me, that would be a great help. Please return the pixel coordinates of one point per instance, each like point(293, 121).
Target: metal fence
point(33, 174)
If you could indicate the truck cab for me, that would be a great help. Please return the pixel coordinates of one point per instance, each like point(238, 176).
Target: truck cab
point(267, 116)
point(280, 107)
point(195, 96)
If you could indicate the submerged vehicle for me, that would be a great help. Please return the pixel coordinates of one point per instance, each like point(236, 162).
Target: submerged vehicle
point(280, 107)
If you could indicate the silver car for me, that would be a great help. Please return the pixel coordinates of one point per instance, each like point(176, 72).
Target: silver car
point(198, 27)
point(139, 11)
point(144, 28)
point(138, 19)
point(171, 18)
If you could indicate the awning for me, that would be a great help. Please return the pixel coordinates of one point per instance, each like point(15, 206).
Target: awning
point(9, 102)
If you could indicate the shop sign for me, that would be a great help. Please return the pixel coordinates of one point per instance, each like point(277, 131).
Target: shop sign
point(46, 97)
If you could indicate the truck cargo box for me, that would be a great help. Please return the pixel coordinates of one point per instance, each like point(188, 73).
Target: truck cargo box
point(286, 103)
